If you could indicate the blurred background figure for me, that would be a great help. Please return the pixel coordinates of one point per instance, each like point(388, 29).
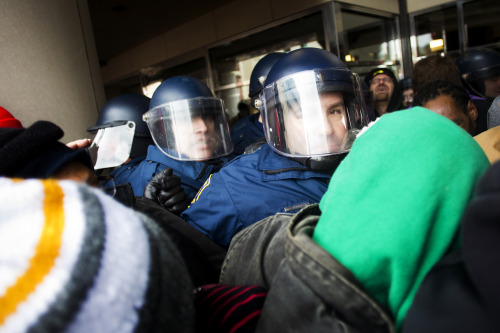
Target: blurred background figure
point(480, 69)
point(249, 129)
point(407, 92)
point(386, 93)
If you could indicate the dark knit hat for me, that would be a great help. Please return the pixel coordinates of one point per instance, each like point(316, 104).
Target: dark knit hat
point(377, 71)
point(8, 120)
point(35, 152)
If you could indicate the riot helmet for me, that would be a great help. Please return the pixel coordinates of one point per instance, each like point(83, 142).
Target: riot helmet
point(120, 132)
point(480, 70)
point(187, 122)
point(313, 107)
point(259, 74)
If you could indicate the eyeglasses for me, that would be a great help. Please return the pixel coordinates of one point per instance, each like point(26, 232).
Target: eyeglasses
point(385, 80)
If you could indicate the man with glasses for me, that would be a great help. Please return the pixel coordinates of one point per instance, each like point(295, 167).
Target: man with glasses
point(385, 90)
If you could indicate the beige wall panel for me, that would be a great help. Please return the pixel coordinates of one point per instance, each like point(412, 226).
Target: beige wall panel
point(240, 16)
point(150, 52)
point(118, 67)
point(190, 36)
point(391, 6)
point(416, 5)
point(45, 67)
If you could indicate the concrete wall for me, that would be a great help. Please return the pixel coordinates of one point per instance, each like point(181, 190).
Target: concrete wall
point(49, 68)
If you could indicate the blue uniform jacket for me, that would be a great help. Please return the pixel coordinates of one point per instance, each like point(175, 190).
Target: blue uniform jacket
point(123, 173)
point(246, 131)
point(192, 174)
point(250, 188)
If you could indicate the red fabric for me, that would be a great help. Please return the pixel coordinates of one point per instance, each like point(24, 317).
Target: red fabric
point(228, 309)
point(8, 120)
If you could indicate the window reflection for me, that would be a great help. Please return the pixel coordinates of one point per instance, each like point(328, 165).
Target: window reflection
point(437, 32)
point(370, 41)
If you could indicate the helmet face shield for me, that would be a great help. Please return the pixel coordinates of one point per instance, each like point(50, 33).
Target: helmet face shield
point(313, 113)
point(191, 130)
point(112, 144)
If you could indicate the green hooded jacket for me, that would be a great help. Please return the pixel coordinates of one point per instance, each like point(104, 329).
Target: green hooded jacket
point(393, 206)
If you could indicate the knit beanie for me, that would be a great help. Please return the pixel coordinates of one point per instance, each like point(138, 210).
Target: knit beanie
point(8, 120)
point(35, 152)
point(494, 113)
point(72, 259)
point(393, 206)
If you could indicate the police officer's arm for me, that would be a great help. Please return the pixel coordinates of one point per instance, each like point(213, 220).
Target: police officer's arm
point(212, 211)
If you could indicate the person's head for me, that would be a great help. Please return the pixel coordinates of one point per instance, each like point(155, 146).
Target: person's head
point(259, 74)
point(480, 69)
point(8, 120)
point(393, 206)
point(35, 152)
point(434, 68)
point(74, 259)
point(312, 106)
point(407, 92)
point(384, 88)
point(187, 122)
point(121, 134)
point(243, 109)
point(450, 101)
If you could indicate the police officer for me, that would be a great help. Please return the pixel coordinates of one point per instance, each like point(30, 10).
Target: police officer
point(191, 134)
point(249, 129)
point(312, 107)
point(480, 70)
point(122, 137)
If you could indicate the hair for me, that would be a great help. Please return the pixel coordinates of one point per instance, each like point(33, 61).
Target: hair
point(435, 68)
point(435, 89)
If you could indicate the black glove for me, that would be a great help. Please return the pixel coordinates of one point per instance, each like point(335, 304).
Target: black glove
point(165, 189)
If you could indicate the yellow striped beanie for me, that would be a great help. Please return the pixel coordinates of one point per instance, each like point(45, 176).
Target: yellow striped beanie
point(74, 260)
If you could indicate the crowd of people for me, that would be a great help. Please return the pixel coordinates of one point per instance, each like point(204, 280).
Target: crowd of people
point(339, 204)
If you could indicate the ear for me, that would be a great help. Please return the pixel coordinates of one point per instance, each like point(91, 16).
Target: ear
point(472, 111)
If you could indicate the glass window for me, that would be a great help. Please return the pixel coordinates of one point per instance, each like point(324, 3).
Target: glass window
point(437, 32)
point(370, 41)
point(233, 63)
point(481, 23)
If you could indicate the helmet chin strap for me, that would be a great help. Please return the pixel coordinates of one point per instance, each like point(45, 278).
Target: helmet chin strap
point(323, 163)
